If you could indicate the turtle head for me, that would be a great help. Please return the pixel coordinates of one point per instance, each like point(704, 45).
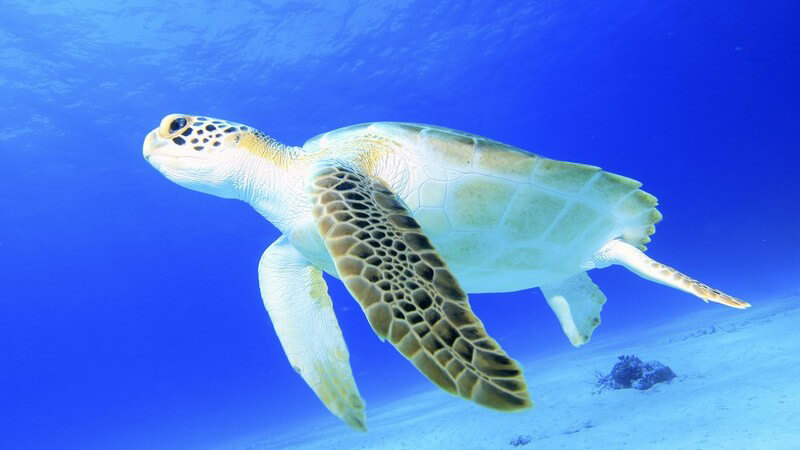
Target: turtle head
point(204, 154)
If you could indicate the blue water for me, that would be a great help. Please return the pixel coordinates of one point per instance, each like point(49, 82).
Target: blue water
point(130, 311)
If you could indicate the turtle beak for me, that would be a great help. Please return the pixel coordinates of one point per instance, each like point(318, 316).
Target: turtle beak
point(151, 143)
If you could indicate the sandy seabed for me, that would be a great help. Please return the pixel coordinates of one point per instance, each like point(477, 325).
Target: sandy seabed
point(738, 387)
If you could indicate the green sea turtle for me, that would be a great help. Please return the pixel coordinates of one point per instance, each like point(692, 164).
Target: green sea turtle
point(411, 218)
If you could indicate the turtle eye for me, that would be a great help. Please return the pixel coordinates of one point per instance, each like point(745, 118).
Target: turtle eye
point(177, 124)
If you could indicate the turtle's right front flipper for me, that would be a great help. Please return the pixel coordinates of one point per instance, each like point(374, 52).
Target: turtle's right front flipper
point(406, 290)
point(296, 298)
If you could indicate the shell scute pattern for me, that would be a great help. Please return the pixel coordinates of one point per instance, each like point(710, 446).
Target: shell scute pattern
point(561, 176)
point(467, 248)
point(531, 213)
point(521, 258)
point(433, 193)
point(500, 160)
point(454, 151)
point(435, 172)
point(608, 188)
point(555, 202)
point(477, 202)
point(636, 203)
point(476, 196)
point(408, 128)
point(601, 230)
point(437, 224)
point(575, 220)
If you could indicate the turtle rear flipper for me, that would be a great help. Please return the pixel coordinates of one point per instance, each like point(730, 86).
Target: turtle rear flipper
point(633, 259)
point(407, 291)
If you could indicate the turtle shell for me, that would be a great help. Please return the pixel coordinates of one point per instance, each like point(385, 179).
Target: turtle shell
point(487, 205)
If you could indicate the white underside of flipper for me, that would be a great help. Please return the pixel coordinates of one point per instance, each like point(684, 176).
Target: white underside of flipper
point(633, 259)
point(577, 302)
point(297, 300)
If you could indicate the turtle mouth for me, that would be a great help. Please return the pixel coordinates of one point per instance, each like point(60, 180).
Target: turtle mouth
point(179, 169)
point(150, 146)
point(160, 160)
point(153, 149)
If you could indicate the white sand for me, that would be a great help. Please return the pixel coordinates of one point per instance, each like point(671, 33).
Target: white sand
point(738, 386)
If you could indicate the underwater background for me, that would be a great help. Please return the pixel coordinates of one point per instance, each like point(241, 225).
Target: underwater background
point(129, 307)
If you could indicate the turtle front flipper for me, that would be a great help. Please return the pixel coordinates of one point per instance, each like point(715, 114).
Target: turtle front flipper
point(633, 259)
point(406, 290)
point(577, 302)
point(296, 298)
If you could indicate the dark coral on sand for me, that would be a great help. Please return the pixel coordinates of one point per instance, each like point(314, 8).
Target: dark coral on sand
point(632, 372)
point(521, 440)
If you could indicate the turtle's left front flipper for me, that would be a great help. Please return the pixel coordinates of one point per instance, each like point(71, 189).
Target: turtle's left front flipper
point(296, 298)
point(406, 290)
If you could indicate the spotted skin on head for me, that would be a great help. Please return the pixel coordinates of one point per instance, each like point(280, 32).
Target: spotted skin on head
point(407, 291)
point(201, 133)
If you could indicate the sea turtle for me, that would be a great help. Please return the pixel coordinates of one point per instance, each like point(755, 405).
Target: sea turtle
point(412, 217)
